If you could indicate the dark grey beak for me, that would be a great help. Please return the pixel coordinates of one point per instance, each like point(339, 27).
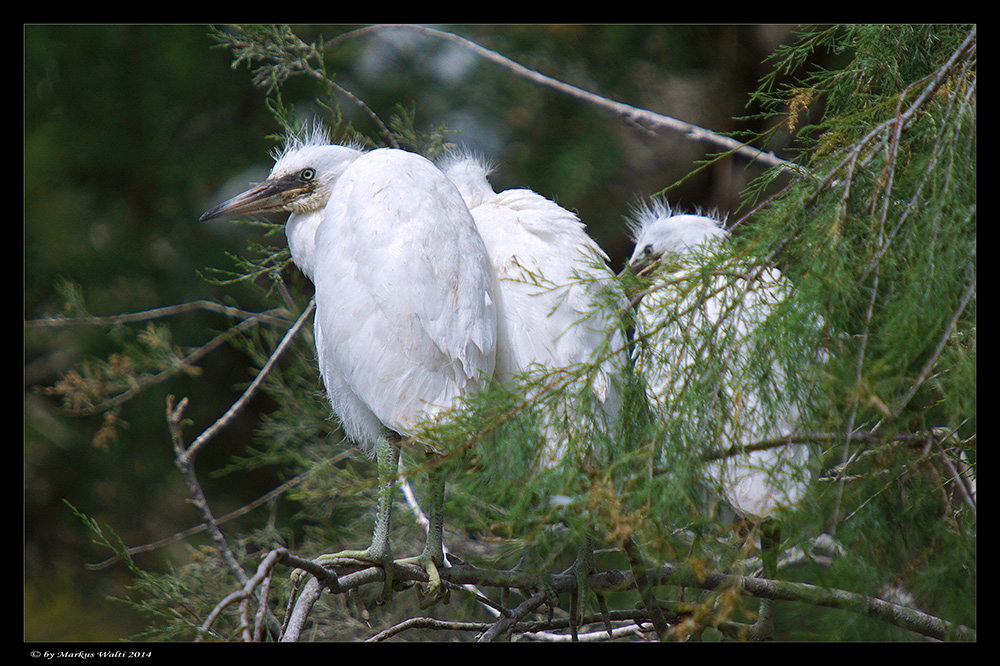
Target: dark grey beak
point(269, 196)
point(645, 264)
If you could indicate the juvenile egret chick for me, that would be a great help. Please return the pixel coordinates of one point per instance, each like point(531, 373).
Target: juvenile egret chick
point(300, 183)
point(703, 337)
point(549, 274)
point(405, 320)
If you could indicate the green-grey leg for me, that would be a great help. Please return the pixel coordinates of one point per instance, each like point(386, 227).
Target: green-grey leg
point(380, 550)
point(770, 540)
point(433, 553)
point(582, 568)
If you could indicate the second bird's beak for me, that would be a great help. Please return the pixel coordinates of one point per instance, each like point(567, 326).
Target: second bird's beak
point(268, 196)
point(644, 266)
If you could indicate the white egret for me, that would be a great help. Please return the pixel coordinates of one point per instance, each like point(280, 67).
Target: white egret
point(549, 275)
point(405, 318)
point(705, 331)
point(551, 312)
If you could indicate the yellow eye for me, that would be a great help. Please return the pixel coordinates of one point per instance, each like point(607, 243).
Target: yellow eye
point(307, 175)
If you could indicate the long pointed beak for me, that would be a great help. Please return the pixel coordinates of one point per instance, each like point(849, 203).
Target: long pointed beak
point(645, 265)
point(268, 196)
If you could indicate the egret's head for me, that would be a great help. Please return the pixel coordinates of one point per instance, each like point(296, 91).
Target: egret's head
point(303, 176)
point(470, 174)
point(658, 232)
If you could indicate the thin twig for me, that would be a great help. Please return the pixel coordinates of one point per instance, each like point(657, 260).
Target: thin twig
point(251, 390)
point(185, 457)
point(629, 114)
point(900, 120)
point(185, 464)
point(274, 316)
point(300, 612)
point(176, 368)
point(503, 624)
point(427, 623)
point(929, 365)
point(664, 574)
point(963, 491)
point(191, 531)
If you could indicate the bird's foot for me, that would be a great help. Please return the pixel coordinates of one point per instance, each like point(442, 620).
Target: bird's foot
point(582, 568)
point(763, 628)
point(369, 556)
point(433, 591)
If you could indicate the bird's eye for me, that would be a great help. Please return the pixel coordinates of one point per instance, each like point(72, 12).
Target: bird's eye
point(648, 250)
point(307, 174)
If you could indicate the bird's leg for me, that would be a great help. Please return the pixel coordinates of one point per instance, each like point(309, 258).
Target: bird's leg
point(582, 568)
point(770, 540)
point(380, 550)
point(433, 554)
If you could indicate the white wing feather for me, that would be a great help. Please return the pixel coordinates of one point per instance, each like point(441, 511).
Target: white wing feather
point(407, 320)
point(548, 275)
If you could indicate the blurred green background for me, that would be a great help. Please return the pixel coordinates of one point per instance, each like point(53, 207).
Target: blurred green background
point(132, 131)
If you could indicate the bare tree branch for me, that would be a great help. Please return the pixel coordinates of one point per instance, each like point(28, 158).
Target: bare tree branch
point(628, 114)
point(239, 405)
point(611, 581)
point(275, 316)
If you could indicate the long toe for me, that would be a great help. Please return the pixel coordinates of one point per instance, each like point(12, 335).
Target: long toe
point(374, 554)
point(433, 590)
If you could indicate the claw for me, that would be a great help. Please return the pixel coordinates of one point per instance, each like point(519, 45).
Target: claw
point(433, 591)
point(433, 554)
point(379, 555)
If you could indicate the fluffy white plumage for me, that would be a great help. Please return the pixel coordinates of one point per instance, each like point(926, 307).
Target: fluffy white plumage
point(405, 313)
point(329, 162)
point(406, 319)
point(548, 274)
point(691, 324)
